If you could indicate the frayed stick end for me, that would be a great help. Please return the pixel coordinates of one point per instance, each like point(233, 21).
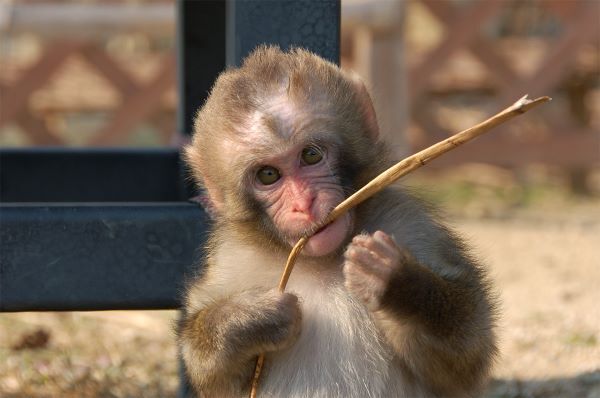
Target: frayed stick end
point(524, 103)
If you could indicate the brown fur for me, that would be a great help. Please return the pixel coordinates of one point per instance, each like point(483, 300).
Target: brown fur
point(430, 331)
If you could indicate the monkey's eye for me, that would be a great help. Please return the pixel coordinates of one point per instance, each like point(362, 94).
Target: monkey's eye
point(268, 175)
point(311, 155)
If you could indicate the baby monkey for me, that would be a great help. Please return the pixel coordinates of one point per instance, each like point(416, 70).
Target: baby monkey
point(383, 302)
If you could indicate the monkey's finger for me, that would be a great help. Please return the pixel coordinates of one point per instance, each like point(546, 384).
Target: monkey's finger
point(289, 299)
point(351, 269)
point(356, 276)
point(385, 248)
point(369, 261)
point(385, 238)
point(366, 287)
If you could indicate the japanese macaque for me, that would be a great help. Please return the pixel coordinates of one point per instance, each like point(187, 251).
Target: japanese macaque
point(383, 302)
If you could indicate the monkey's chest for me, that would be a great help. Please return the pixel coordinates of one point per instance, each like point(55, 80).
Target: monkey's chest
point(340, 352)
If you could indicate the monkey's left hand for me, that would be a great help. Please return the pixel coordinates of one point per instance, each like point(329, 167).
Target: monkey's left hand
point(370, 263)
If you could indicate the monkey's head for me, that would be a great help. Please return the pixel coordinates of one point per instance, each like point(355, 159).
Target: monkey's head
point(281, 141)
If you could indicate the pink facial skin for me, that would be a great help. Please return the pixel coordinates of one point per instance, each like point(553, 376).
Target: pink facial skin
point(302, 197)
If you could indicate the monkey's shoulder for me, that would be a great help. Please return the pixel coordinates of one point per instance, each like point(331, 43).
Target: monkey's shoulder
point(418, 227)
point(396, 210)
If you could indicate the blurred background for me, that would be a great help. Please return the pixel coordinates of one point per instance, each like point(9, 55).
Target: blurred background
point(85, 73)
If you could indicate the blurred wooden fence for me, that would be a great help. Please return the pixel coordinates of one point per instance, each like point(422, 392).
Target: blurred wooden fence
point(565, 133)
point(563, 63)
point(138, 100)
point(79, 31)
point(565, 140)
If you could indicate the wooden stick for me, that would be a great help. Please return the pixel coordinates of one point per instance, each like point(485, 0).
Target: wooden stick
point(282, 284)
point(390, 175)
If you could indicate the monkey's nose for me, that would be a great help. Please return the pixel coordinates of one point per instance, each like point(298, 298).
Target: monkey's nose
point(301, 196)
point(303, 204)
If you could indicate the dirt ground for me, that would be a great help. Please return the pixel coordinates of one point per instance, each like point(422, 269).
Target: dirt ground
point(544, 266)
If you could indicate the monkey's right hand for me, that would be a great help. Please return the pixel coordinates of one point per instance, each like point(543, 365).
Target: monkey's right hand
point(273, 321)
point(220, 342)
point(253, 321)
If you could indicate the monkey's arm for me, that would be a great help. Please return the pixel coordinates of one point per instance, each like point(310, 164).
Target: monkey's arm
point(440, 326)
point(220, 341)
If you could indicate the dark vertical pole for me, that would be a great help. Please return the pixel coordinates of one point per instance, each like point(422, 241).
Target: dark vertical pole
point(201, 54)
point(314, 25)
point(201, 57)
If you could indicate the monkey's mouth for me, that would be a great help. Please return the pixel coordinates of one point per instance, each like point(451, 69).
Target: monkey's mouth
point(308, 233)
point(326, 238)
point(317, 229)
point(320, 229)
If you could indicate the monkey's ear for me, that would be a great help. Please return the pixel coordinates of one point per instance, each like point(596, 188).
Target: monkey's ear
point(194, 161)
point(366, 104)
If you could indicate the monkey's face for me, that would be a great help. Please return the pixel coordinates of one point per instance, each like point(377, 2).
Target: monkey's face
point(280, 142)
point(297, 189)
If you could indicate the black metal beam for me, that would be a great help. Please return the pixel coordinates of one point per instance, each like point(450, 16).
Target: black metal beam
point(201, 52)
point(314, 25)
point(133, 255)
point(92, 175)
point(97, 257)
